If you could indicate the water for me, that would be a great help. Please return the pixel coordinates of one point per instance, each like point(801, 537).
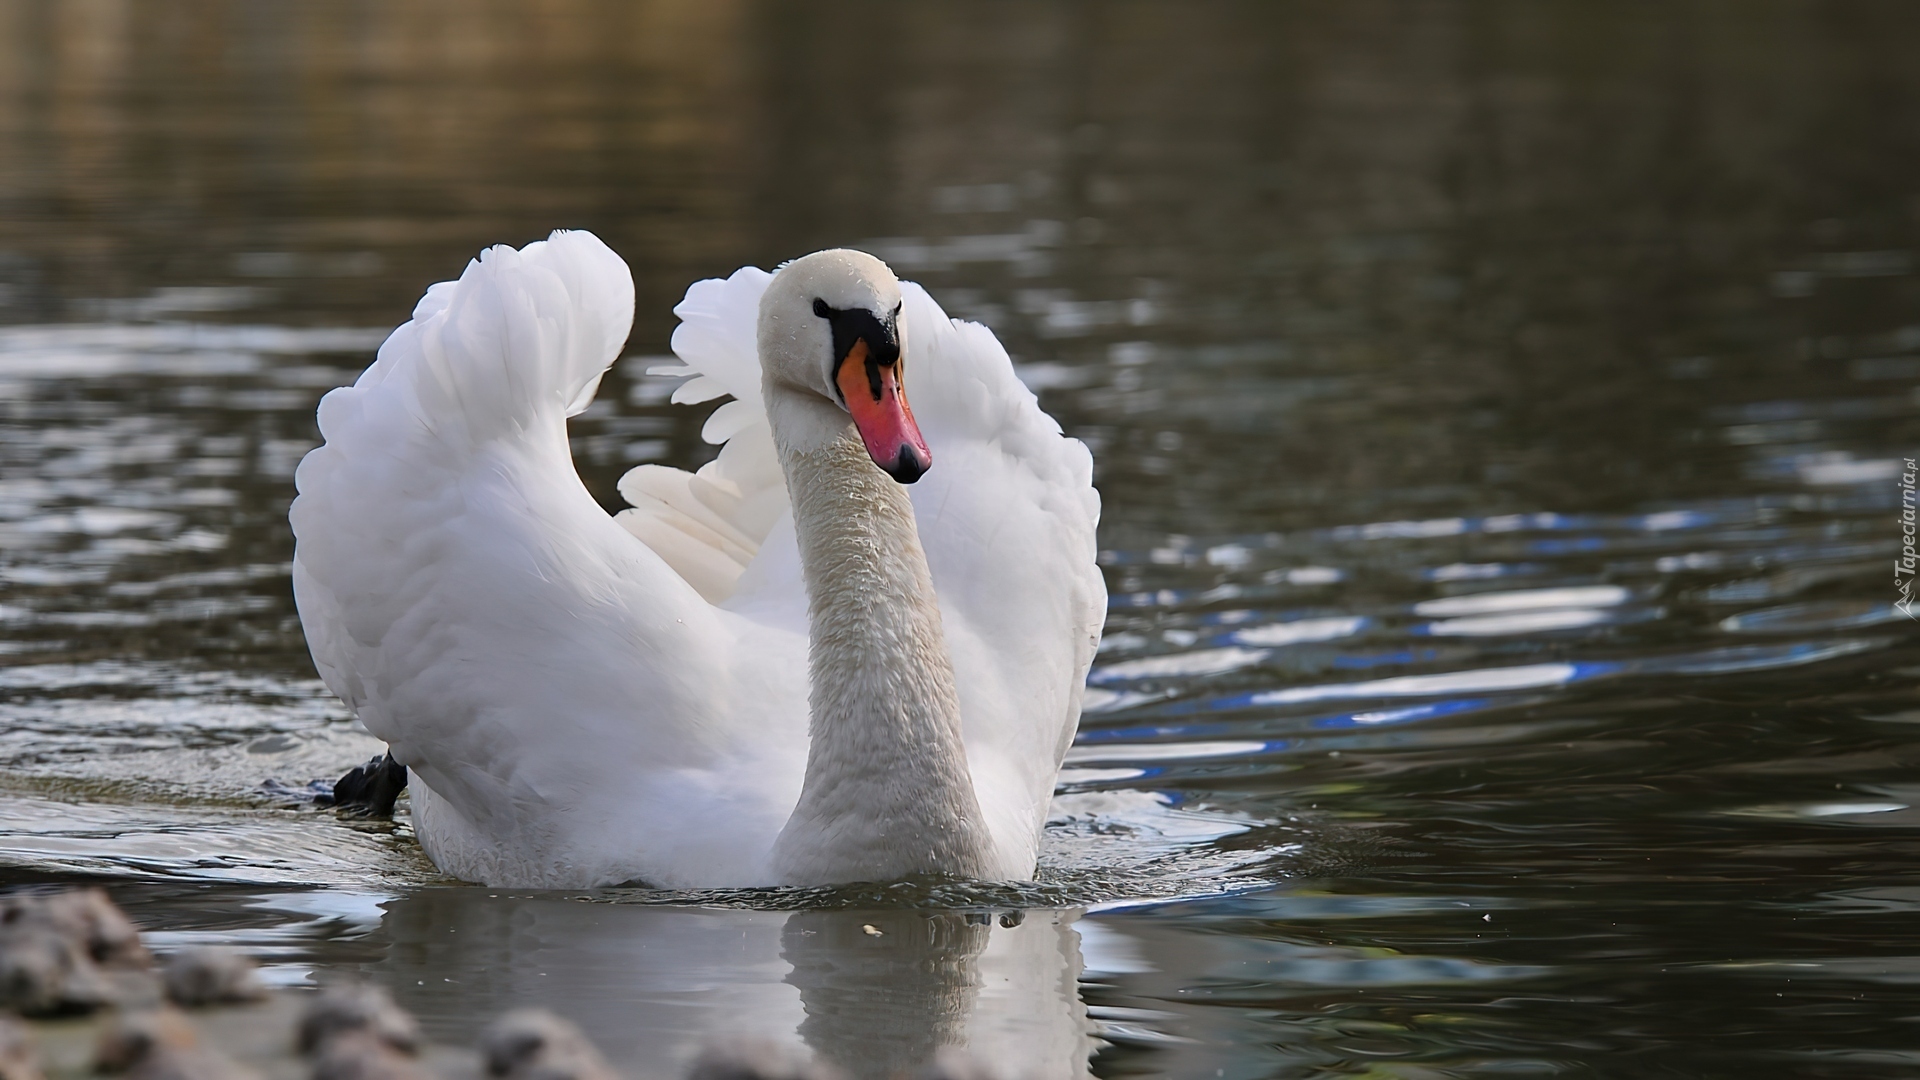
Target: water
point(1501, 414)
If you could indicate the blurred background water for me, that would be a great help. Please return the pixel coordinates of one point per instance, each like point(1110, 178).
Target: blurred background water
point(1501, 412)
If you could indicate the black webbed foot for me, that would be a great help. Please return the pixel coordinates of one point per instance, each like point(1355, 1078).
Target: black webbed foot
point(372, 788)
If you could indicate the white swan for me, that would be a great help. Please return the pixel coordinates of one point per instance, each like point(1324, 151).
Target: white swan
point(586, 700)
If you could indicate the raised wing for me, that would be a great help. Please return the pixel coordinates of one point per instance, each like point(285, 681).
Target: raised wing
point(461, 590)
point(709, 525)
point(1007, 516)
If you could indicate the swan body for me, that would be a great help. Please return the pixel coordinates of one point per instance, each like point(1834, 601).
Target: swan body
point(787, 668)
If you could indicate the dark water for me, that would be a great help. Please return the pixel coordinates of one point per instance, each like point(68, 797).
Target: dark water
point(1501, 412)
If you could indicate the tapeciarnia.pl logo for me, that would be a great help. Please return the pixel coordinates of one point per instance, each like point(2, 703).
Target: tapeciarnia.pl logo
point(1903, 567)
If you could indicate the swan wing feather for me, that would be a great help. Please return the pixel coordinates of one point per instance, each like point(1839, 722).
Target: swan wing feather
point(462, 591)
point(1007, 515)
point(709, 524)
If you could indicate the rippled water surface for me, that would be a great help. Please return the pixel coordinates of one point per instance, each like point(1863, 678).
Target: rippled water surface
point(1502, 413)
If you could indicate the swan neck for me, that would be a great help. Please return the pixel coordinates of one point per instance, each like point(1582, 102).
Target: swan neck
point(887, 792)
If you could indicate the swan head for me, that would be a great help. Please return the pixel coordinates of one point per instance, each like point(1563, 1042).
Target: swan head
point(830, 326)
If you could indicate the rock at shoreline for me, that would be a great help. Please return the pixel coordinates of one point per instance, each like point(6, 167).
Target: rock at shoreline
point(534, 1044)
point(161, 1044)
point(67, 952)
point(206, 975)
point(362, 1054)
point(358, 1008)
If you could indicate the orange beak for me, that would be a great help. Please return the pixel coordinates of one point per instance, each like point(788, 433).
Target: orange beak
point(878, 403)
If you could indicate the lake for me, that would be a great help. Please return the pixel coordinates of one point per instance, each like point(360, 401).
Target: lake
point(1503, 414)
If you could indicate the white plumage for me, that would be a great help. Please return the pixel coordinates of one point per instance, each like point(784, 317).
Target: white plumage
point(584, 699)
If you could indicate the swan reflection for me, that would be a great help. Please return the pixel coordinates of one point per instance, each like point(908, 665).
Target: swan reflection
point(875, 993)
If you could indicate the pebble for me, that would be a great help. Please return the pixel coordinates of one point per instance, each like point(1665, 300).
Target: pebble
point(86, 916)
point(67, 952)
point(357, 1007)
point(45, 974)
point(161, 1044)
point(361, 1054)
point(534, 1044)
point(206, 975)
